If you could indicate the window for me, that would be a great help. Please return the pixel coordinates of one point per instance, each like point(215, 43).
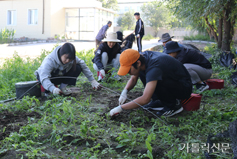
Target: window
point(32, 16)
point(11, 17)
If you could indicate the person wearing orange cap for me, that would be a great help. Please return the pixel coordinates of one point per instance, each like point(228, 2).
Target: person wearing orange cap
point(165, 79)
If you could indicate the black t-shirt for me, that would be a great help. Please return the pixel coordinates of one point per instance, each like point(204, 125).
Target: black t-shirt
point(165, 69)
point(192, 56)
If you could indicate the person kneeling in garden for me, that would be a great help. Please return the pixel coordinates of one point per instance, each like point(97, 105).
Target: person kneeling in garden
point(63, 67)
point(107, 56)
point(164, 78)
point(198, 66)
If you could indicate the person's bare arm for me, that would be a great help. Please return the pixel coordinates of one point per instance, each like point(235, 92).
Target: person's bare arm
point(131, 83)
point(144, 99)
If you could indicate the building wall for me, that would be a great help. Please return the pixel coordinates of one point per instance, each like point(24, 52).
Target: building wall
point(22, 27)
point(179, 33)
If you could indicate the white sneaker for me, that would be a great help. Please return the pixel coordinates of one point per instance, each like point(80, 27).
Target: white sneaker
point(66, 91)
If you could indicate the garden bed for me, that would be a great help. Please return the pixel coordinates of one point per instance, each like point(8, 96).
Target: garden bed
point(78, 126)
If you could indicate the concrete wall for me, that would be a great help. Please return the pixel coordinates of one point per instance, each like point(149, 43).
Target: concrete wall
point(178, 33)
point(22, 27)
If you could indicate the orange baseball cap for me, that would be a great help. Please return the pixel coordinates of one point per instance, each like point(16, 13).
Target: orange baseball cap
point(127, 58)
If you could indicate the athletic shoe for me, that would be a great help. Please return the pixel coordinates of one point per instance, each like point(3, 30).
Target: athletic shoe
point(66, 91)
point(167, 112)
point(202, 87)
point(154, 105)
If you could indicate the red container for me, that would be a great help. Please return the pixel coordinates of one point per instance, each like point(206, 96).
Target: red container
point(215, 83)
point(193, 103)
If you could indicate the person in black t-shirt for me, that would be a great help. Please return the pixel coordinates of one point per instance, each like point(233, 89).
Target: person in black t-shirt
point(164, 78)
point(198, 66)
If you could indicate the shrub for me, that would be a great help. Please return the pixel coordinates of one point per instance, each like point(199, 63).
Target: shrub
point(148, 37)
point(198, 37)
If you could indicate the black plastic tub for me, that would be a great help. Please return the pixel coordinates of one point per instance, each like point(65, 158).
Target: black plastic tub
point(28, 89)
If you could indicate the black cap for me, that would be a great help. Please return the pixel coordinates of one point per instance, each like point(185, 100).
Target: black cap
point(172, 46)
point(137, 13)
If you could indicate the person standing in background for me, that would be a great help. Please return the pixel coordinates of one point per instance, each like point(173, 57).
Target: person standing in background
point(102, 33)
point(139, 31)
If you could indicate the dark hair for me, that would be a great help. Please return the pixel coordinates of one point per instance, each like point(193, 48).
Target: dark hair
point(70, 50)
point(109, 22)
point(142, 59)
point(137, 13)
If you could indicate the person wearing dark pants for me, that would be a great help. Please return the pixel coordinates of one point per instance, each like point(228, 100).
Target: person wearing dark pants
point(139, 31)
point(199, 68)
point(102, 34)
point(165, 79)
point(62, 66)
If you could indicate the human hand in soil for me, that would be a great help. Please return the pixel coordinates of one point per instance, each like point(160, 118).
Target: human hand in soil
point(96, 85)
point(123, 97)
point(115, 111)
point(57, 91)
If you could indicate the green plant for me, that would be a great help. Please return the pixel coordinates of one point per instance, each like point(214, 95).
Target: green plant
point(7, 35)
point(148, 37)
point(198, 37)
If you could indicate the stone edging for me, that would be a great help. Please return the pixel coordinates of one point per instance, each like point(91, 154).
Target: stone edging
point(30, 42)
point(197, 41)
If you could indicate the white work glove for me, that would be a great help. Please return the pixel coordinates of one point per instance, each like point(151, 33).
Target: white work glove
point(102, 72)
point(123, 97)
point(57, 91)
point(115, 111)
point(95, 85)
point(138, 35)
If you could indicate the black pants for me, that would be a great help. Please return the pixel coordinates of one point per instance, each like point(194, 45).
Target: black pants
point(168, 91)
point(70, 81)
point(139, 43)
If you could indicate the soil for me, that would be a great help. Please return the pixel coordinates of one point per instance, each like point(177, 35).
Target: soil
point(12, 122)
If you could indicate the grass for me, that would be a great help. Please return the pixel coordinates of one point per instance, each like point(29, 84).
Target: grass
point(198, 37)
point(79, 127)
point(148, 37)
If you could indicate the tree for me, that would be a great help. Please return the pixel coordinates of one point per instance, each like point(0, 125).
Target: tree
point(157, 15)
point(110, 4)
point(219, 17)
point(127, 21)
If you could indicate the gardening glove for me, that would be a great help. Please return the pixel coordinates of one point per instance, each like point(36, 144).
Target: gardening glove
point(123, 97)
point(138, 35)
point(115, 111)
point(57, 91)
point(102, 72)
point(96, 85)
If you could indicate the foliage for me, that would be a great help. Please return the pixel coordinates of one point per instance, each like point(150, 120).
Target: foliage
point(198, 37)
point(110, 4)
point(211, 15)
point(127, 21)
point(7, 35)
point(156, 15)
point(148, 37)
point(79, 127)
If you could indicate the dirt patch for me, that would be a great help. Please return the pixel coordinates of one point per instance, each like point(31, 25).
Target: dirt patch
point(12, 122)
point(12, 154)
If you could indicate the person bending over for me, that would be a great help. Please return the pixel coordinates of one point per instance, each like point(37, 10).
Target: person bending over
point(198, 66)
point(107, 56)
point(164, 78)
point(62, 61)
